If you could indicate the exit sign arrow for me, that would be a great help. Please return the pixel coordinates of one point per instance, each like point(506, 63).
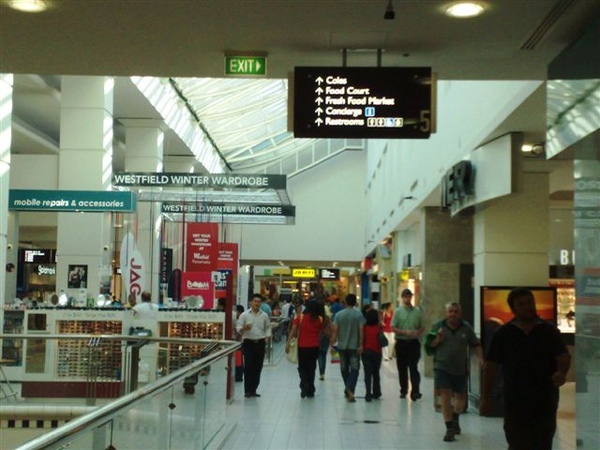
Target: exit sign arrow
point(246, 66)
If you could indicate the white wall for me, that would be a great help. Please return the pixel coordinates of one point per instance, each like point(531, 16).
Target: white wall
point(330, 216)
point(468, 111)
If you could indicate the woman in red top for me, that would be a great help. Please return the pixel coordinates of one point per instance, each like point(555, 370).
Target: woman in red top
point(371, 355)
point(308, 328)
point(387, 313)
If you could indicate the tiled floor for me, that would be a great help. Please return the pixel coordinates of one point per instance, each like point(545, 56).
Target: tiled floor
point(280, 419)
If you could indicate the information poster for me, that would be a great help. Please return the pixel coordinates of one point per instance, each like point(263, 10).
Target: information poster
point(202, 247)
point(77, 276)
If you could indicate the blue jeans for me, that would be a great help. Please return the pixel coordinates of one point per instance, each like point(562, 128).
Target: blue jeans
point(323, 350)
point(350, 367)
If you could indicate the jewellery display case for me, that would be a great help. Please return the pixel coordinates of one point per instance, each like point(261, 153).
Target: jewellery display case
point(93, 367)
point(188, 324)
point(12, 349)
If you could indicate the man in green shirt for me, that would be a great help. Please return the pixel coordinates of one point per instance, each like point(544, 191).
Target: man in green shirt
point(407, 324)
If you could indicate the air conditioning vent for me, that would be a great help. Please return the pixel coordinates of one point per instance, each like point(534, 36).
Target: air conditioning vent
point(540, 32)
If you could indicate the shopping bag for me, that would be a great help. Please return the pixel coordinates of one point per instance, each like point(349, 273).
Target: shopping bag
point(292, 354)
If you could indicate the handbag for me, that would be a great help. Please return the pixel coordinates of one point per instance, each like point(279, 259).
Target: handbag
point(292, 355)
point(382, 339)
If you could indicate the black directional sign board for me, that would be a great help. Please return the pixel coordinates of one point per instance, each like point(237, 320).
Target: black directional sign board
point(363, 102)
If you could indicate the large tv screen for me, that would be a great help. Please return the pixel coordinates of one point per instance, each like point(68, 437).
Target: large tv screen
point(495, 311)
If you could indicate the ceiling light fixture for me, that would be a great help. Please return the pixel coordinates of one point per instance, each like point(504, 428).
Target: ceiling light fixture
point(463, 10)
point(390, 14)
point(32, 6)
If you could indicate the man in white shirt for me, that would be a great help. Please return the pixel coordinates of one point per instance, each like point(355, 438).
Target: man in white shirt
point(146, 309)
point(255, 328)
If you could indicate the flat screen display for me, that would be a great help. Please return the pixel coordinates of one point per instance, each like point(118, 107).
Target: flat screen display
point(363, 102)
point(495, 311)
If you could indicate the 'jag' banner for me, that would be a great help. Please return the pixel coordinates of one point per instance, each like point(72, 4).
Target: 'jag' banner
point(132, 267)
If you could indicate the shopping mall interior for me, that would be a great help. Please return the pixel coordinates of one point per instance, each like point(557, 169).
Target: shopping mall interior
point(181, 148)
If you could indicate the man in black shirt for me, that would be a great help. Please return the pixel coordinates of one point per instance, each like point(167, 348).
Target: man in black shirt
point(534, 363)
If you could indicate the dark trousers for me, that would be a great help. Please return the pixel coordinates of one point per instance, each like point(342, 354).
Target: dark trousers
point(408, 353)
point(531, 425)
point(372, 364)
point(307, 366)
point(254, 356)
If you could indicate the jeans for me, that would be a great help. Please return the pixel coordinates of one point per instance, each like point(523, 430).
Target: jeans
point(408, 353)
point(323, 351)
point(350, 367)
point(372, 363)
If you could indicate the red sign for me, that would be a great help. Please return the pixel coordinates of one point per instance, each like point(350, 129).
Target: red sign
point(202, 247)
point(198, 289)
point(227, 266)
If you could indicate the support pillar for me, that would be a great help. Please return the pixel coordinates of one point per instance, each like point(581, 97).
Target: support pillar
point(144, 140)
point(6, 278)
point(85, 163)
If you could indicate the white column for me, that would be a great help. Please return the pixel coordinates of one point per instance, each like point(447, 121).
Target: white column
point(144, 142)
point(6, 90)
point(85, 163)
point(511, 238)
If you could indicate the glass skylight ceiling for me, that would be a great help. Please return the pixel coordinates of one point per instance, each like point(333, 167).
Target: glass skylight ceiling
point(245, 118)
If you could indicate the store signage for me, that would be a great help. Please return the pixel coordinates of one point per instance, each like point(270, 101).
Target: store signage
point(363, 102)
point(247, 66)
point(329, 274)
point(304, 273)
point(564, 257)
point(241, 209)
point(202, 247)
point(46, 270)
point(457, 183)
point(132, 179)
point(200, 287)
point(70, 201)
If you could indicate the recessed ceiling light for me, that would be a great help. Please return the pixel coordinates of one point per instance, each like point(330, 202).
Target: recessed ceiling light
point(28, 5)
point(465, 9)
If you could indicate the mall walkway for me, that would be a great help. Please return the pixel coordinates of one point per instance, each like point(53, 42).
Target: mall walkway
point(280, 419)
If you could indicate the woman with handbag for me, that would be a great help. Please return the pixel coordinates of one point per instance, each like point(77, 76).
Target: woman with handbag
point(307, 328)
point(371, 355)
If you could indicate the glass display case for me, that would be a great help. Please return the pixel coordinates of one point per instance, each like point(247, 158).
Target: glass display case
point(12, 349)
point(565, 300)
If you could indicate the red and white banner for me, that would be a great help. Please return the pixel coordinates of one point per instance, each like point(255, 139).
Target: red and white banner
point(200, 286)
point(202, 247)
point(132, 267)
point(227, 264)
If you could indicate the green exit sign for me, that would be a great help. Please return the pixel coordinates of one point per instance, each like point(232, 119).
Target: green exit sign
point(253, 66)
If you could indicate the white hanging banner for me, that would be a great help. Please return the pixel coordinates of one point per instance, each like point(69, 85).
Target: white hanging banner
point(132, 267)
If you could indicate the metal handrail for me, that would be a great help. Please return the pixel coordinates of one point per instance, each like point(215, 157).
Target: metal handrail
point(85, 424)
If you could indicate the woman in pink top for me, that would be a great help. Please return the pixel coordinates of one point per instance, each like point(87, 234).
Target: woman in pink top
point(308, 328)
point(371, 355)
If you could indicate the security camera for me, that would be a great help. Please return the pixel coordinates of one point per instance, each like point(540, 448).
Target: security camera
point(9, 246)
point(106, 248)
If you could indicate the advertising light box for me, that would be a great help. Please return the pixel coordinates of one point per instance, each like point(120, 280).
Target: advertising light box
point(363, 102)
